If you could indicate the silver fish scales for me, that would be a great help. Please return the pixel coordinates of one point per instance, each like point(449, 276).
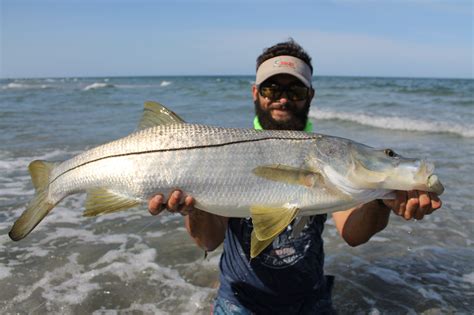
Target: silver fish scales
point(271, 176)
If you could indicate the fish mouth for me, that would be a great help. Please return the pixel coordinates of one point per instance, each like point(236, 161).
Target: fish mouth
point(435, 185)
point(425, 174)
point(409, 174)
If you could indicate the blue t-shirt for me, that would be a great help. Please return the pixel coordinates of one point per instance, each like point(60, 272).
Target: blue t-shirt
point(287, 274)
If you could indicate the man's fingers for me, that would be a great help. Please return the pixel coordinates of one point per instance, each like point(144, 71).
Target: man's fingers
point(155, 204)
point(400, 202)
point(425, 205)
point(187, 206)
point(412, 206)
point(435, 202)
point(415, 204)
point(174, 200)
point(175, 203)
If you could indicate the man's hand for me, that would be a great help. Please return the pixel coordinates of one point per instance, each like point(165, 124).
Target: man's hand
point(175, 203)
point(414, 204)
point(206, 229)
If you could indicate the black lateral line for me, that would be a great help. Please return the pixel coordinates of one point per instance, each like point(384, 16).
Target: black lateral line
point(180, 149)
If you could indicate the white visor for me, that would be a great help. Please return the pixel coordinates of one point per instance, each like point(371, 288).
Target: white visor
point(284, 64)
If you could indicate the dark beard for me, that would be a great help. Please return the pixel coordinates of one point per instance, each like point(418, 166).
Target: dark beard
point(300, 118)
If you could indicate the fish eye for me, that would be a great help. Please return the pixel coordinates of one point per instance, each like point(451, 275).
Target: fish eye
point(390, 153)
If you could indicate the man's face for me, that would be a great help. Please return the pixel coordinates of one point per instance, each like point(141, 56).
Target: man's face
point(282, 113)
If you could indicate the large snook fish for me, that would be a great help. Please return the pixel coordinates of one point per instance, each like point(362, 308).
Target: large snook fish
point(271, 176)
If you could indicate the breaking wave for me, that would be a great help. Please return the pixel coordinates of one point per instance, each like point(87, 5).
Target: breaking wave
point(165, 83)
point(98, 85)
point(395, 123)
point(23, 86)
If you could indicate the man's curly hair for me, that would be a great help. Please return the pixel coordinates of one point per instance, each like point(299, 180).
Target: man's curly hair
point(288, 48)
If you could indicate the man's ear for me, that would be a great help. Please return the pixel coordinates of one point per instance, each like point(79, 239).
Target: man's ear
point(254, 92)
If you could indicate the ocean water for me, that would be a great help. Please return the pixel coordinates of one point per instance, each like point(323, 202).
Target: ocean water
point(131, 262)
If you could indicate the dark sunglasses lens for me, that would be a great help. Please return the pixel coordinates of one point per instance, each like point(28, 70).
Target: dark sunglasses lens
point(271, 92)
point(293, 92)
point(297, 92)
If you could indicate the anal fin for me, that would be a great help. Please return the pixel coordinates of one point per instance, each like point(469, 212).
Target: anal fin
point(268, 222)
point(257, 246)
point(102, 201)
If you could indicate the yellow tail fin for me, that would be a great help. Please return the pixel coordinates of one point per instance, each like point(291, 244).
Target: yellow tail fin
point(40, 172)
point(40, 206)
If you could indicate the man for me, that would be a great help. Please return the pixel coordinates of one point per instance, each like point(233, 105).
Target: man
point(287, 277)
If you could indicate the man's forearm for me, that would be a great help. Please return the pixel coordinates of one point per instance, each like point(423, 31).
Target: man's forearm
point(206, 229)
point(358, 225)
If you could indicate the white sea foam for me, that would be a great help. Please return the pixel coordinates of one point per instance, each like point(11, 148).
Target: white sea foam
point(85, 236)
point(388, 275)
point(469, 278)
point(73, 290)
point(147, 308)
point(5, 272)
point(429, 294)
point(16, 85)
point(155, 234)
point(98, 85)
point(14, 177)
point(379, 239)
point(395, 123)
point(165, 83)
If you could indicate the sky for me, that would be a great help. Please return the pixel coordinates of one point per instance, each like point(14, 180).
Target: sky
point(83, 38)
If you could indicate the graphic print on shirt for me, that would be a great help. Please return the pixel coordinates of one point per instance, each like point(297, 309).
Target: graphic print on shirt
point(286, 249)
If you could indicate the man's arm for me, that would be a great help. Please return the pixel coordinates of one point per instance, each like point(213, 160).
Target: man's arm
point(359, 224)
point(206, 229)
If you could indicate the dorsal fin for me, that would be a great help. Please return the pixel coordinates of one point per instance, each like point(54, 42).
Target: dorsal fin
point(155, 114)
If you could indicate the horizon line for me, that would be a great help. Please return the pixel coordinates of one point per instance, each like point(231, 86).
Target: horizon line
point(228, 75)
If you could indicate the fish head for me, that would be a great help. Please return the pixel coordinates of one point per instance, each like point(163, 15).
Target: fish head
point(385, 169)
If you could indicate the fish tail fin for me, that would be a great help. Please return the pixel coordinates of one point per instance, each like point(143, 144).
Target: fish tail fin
point(40, 206)
point(40, 172)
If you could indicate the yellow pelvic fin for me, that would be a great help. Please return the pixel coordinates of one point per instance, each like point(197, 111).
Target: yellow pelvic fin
point(102, 201)
point(257, 246)
point(290, 175)
point(155, 114)
point(268, 222)
point(40, 172)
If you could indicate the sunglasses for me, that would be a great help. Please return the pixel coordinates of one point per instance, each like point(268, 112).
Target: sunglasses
point(273, 91)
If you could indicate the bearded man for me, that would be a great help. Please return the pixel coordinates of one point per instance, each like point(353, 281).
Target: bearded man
point(287, 277)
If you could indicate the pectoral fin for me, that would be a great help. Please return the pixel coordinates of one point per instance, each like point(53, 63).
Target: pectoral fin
point(155, 114)
point(268, 222)
point(290, 175)
point(102, 201)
